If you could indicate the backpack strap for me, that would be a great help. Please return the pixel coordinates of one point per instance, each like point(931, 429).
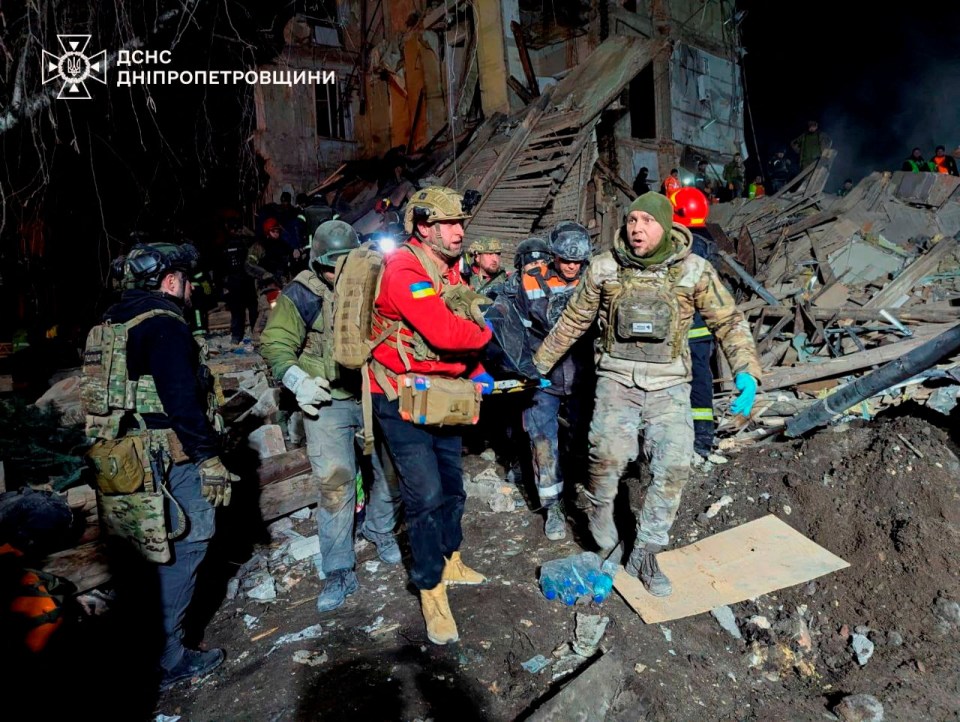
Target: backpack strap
point(147, 315)
point(305, 297)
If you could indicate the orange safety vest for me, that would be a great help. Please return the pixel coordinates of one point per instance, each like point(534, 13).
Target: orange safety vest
point(941, 162)
point(33, 603)
point(671, 185)
point(538, 285)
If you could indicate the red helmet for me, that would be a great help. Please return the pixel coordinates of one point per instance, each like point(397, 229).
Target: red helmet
point(690, 207)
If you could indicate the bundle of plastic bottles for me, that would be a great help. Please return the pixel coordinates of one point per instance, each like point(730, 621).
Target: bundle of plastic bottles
point(576, 577)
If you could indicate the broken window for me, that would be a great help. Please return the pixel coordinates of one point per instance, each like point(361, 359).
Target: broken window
point(324, 18)
point(332, 112)
point(548, 23)
point(643, 116)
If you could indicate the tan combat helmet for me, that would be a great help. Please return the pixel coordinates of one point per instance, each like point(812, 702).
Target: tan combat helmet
point(485, 245)
point(435, 204)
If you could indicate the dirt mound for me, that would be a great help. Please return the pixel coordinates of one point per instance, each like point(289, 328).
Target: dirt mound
point(884, 496)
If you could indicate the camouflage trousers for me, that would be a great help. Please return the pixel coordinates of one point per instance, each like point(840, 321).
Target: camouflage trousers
point(620, 415)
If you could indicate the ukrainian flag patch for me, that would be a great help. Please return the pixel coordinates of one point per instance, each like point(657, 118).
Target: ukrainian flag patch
point(422, 289)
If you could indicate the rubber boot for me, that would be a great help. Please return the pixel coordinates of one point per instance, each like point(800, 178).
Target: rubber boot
point(441, 627)
point(456, 572)
point(643, 564)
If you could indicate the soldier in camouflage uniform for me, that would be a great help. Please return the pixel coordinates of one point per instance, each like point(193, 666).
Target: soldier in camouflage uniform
point(485, 271)
point(298, 344)
point(645, 293)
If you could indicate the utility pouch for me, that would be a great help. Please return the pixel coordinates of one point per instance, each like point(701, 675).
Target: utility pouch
point(645, 326)
point(121, 465)
point(130, 499)
point(438, 401)
point(140, 519)
point(644, 319)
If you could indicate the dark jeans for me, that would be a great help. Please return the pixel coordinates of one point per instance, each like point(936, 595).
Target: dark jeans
point(241, 300)
point(701, 396)
point(427, 460)
point(541, 421)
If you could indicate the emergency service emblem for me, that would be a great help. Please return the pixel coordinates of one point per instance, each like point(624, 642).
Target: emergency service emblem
point(74, 67)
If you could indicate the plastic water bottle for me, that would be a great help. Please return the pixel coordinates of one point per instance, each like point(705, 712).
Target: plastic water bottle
point(601, 584)
point(571, 578)
point(555, 581)
point(549, 587)
point(568, 592)
point(578, 582)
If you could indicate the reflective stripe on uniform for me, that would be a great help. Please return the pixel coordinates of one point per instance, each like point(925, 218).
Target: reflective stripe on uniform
point(702, 414)
point(701, 332)
point(550, 492)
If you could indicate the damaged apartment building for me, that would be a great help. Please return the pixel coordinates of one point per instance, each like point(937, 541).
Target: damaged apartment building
point(549, 109)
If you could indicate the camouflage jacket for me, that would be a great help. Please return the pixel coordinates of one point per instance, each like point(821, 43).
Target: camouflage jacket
point(697, 288)
point(481, 283)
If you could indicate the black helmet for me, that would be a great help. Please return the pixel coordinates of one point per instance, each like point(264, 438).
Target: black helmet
point(331, 240)
point(532, 249)
point(570, 241)
point(147, 263)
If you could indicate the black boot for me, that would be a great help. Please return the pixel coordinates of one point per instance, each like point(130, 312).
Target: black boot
point(193, 663)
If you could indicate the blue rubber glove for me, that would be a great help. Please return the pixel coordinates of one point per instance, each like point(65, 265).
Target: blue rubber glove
point(747, 385)
point(486, 382)
point(490, 326)
point(545, 383)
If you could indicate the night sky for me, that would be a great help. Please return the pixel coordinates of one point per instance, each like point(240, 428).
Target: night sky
point(878, 81)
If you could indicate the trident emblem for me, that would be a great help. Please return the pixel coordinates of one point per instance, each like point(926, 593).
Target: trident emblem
point(74, 68)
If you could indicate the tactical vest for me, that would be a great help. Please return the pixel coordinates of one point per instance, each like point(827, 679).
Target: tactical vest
point(318, 317)
point(644, 322)
point(106, 392)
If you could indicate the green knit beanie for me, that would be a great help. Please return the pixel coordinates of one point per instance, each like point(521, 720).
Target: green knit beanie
point(660, 207)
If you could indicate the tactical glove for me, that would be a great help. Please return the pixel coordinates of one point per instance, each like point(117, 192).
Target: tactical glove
point(467, 303)
point(310, 391)
point(215, 481)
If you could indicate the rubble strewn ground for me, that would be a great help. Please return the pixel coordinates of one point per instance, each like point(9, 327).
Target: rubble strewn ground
point(857, 490)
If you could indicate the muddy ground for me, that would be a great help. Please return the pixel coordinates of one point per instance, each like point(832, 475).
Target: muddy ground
point(883, 495)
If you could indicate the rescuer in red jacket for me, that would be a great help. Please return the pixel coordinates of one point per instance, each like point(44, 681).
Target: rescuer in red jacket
point(427, 361)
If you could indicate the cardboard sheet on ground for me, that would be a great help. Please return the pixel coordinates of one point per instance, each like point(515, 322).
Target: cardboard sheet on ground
point(755, 558)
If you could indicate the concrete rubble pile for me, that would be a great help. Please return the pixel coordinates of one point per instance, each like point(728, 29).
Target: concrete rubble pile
point(834, 286)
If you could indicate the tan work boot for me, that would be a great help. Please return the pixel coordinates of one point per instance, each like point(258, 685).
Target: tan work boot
point(441, 627)
point(456, 572)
